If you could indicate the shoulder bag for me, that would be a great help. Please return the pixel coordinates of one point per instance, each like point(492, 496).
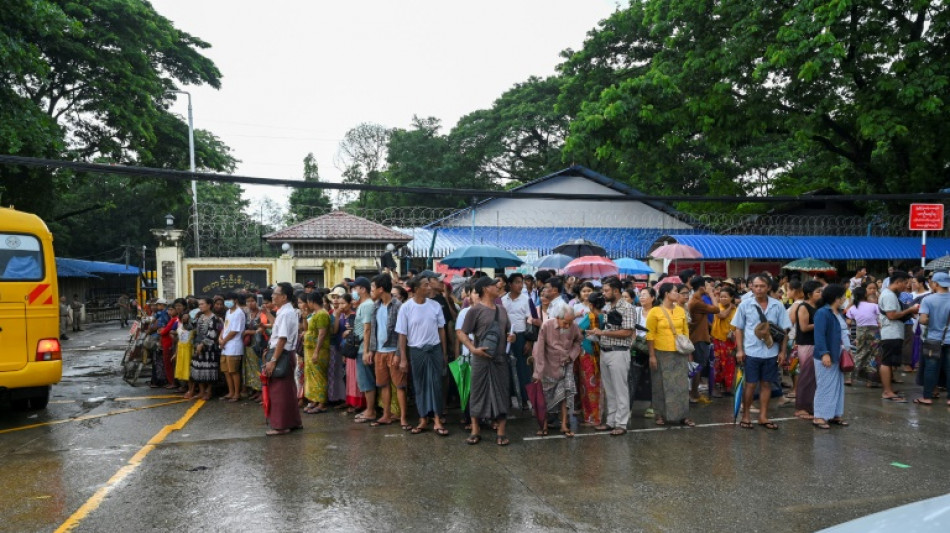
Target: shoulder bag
point(492, 336)
point(777, 333)
point(530, 330)
point(283, 367)
point(683, 344)
point(931, 348)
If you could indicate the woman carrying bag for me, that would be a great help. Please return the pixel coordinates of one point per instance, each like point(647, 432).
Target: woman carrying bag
point(829, 379)
point(670, 371)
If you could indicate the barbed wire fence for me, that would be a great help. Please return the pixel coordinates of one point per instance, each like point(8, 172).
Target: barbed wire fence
point(222, 233)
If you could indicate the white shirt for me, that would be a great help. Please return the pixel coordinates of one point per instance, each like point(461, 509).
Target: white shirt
point(234, 321)
point(459, 321)
point(553, 307)
point(285, 326)
point(420, 323)
point(518, 309)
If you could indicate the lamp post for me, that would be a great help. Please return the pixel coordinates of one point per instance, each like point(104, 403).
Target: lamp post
point(191, 157)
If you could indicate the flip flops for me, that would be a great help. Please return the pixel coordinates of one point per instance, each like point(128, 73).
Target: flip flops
point(379, 423)
point(895, 399)
point(769, 425)
point(473, 440)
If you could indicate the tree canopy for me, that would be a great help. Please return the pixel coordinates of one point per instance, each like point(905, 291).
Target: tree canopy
point(90, 81)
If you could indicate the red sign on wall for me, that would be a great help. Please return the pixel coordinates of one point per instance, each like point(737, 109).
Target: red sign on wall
point(715, 269)
point(926, 217)
point(771, 268)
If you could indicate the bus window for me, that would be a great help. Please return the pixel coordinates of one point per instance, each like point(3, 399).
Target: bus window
point(21, 258)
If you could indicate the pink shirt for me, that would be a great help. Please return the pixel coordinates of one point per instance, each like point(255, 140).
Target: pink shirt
point(864, 314)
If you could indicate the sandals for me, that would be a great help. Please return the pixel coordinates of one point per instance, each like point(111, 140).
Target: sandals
point(378, 423)
point(473, 440)
point(769, 425)
point(542, 433)
point(406, 427)
point(920, 401)
point(660, 421)
point(418, 430)
point(275, 432)
point(603, 427)
point(502, 440)
point(688, 423)
point(895, 399)
point(618, 432)
point(821, 425)
point(315, 410)
point(838, 422)
point(745, 424)
point(442, 432)
point(569, 434)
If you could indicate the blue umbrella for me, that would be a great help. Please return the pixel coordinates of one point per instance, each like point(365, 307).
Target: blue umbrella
point(481, 256)
point(552, 262)
point(633, 266)
point(737, 390)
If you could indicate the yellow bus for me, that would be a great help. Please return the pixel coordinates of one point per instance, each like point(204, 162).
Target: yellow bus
point(30, 353)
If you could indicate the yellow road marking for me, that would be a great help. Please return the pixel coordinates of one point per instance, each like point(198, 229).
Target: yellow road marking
point(89, 417)
point(96, 499)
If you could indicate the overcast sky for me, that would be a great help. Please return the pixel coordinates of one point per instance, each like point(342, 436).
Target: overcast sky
point(298, 74)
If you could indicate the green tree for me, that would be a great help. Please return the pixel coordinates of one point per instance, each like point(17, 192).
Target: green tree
point(708, 97)
point(91, 81)
point(308, 203)
point(519, 138)
point(361, 157)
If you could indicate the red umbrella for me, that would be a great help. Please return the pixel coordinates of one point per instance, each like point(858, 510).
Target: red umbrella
point(668, 279)
point(591, 266)
point(676, 251)
point(265, 395)
point(536, 397)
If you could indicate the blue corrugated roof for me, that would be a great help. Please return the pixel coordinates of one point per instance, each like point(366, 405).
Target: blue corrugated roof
point(818, 247)
point(78, 268)
point(619, 242)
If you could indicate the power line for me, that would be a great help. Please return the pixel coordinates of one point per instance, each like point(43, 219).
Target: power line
point(181, 175)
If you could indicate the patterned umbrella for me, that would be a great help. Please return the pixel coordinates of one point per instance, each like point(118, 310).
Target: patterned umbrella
point(676, 251)
point(591, 266)
point(810, 265)
point(580, 248)
point(552, 262)
point(737, 393)
point(481, 256)
point(633, 266)
point(941, 263)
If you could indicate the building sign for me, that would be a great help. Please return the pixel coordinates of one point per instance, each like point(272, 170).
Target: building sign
point(926, 217)
point(209, 282)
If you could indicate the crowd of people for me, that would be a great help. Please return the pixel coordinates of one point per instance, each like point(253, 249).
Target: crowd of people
point(576, 352)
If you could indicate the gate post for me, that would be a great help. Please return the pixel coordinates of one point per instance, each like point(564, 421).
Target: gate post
point(169, 258)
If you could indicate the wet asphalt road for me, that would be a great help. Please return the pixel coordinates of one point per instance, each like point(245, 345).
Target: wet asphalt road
point(220, 473)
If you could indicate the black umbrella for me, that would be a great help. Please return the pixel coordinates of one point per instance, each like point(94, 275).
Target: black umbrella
point(580, 248)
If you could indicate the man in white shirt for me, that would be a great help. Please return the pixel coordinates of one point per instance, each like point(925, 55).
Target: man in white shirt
point(421, 328)
point(232, 346)
point(284, 414)
point(552, 291)
point(518, 305)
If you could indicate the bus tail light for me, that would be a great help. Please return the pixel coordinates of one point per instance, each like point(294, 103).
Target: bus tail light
point(49, 350)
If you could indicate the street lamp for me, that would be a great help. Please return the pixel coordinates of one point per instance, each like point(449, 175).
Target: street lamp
point(191, 157)
point(170, 220)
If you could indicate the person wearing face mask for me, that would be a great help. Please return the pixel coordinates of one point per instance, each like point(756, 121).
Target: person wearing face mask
point(232, 346)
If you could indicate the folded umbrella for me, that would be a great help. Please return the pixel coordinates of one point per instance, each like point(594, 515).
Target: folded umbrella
point(265, 395)
point(462, 373)
point(737, 394)
point(538, 403)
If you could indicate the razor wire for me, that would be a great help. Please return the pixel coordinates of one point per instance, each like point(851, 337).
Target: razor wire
point(225, 233)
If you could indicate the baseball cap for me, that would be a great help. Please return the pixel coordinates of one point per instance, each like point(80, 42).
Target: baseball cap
point(161, 301)
point(942, 279)
point(360, 282)
point(338, 291)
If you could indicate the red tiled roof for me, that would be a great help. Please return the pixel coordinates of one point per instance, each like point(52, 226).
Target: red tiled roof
point(337, 226)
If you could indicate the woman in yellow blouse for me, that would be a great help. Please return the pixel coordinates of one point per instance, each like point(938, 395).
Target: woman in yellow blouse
point(723, 335)
point(670, 371)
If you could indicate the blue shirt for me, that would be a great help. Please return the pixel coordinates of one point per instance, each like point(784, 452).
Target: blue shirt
point(382, 318)
point(827, 335)
point(747, 318)
point(937, 308)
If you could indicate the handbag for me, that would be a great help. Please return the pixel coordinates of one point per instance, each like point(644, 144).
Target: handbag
point(846, 363)
point(683, 344)
point(283, 367)
point(777, 333)
point(492, 336)
point(931, 348)
point(530, 330)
